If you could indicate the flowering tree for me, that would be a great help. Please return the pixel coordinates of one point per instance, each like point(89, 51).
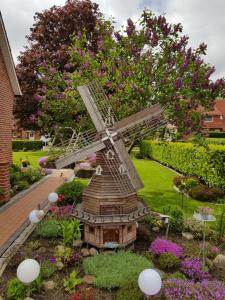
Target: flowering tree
point(138, 67)
point(49, 42)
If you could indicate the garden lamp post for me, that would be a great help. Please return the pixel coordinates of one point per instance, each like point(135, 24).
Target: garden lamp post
point(53, 197)
point(149, 282)
point(36, 215)
point(28, 271)
point(209, 218)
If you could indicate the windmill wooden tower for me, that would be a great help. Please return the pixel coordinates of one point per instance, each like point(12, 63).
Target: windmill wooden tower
point(110, 208)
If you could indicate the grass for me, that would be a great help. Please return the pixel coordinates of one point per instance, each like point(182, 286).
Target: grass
point(33, 157)
point(158, 188)
point(115, 270)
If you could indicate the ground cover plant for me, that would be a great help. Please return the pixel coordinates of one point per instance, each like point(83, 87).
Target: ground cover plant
point(115, 270)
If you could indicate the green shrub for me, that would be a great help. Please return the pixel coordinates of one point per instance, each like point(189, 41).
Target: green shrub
point(71, 282)
point(16, 290)
point(115, 270)
point(176, 217)
point(47, 269)
point(196, 228)
point(190, 183)
point(207, 163)
point(168, 261)
point(71, 230)
point(22, 185)
point(217, 141)
point(130, 291)
point(177, 275)
point(72, 192)
point(204, 193)
point(25, 145)
point(217, 134)
point(31, 175)
point(49, 229)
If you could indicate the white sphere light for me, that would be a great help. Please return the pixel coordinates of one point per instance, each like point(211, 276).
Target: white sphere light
point(53, 197)
point(28, 270)
point(34, 216)
point(149, 282)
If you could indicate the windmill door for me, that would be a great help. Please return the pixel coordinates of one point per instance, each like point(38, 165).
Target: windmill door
point(110, 235)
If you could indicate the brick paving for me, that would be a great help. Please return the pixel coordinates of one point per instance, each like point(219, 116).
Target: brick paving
point(13, 218)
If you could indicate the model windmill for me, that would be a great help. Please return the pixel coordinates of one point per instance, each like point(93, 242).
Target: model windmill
point(110, 208)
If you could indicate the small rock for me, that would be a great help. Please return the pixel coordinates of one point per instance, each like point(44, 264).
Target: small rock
point(219, 261)
point(93, 252)
point(88, 279)
point(85, 252)
point(2, 298)
point(187, 235)
point(156, 229)
point(77, 243)
point(27, 298)
point(59, 265)
point(41, 250)
point(48, 285)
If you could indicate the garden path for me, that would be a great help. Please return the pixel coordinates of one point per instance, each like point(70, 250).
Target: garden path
point(15, 216)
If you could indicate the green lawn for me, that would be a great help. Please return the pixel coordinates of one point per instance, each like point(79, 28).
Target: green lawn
point(158, 183)
point(158, 188)
point(33, 157)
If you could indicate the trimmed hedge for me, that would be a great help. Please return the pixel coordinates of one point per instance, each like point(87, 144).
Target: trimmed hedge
point(217, 141)
point(25, 145)
point(207, 164)
point(217, 134)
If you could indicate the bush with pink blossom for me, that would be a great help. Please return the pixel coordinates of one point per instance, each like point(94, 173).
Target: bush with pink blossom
point(160, 246)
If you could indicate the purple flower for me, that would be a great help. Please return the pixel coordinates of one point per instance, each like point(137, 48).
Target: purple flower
point(118, 36)
point(130, 22)
point(202, 48)
point(32, 118)
point(52, 259)
point(86, 65)
point(37, 98)
point(160, 246)
point(147, 34)
point(186, 289)
point(52, 70)
point(68, 66)
point(178, 84)
point(192, 267)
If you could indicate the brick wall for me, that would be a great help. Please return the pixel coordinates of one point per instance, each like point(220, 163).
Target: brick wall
point(6, 108)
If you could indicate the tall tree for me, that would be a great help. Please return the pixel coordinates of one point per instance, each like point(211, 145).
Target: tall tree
point(49, 41)
point(138, 67)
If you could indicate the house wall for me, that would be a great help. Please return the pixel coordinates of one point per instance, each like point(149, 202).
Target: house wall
point(217, 123)
point(6, 109)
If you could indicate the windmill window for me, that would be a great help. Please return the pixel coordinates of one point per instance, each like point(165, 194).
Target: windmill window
point(110, 154)
point(91, 230)
point(98, 170)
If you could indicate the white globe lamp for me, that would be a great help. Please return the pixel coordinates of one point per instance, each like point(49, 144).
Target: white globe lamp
point(28, 270)
point(53, 197)
point(34, 216)
point(149, 282)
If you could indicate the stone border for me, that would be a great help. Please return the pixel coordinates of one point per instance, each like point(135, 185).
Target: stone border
point(21, 194)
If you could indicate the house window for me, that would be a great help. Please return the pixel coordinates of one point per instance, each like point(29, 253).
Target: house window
point(208, 119)
point(91, 230)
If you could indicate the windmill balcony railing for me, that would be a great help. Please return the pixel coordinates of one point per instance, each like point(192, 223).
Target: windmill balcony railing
point(116, 218)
